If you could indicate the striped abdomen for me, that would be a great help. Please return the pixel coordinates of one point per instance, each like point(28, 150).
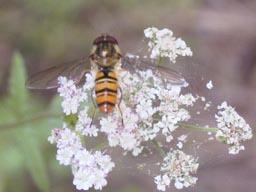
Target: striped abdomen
point(106, 86)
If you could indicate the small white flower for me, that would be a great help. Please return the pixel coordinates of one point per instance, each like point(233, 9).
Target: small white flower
point(180, 145)
point(82, 180)
point(136, 151)
point(84, 124)
point(65, 155)
point(187, 99)
point(144, 109)
point(84, 158)
point(178, 185)
point(183, 138)
point(207, 105)
point(209, 85)
point(104, 161)
point(162, 182)
point(100, 180)
point(90, 81)
point(109, 125)
point(127, 141)
point(150, 32)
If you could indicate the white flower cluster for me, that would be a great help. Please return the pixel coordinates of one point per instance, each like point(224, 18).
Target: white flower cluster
point(162, 43)
point(232, 128)
point(150, 108)
point(89, 169)
point(177, 167)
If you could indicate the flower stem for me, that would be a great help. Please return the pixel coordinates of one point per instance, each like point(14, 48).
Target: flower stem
point(159, 61)
point(198, 128)
point(159, 148)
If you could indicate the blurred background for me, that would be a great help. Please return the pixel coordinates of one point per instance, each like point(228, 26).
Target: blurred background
point(43, 33)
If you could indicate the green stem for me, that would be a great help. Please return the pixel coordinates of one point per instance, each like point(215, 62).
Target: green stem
point(198, 128)
point(194, 127)
point(159, 148)
point(24, 121)
point(159, 61)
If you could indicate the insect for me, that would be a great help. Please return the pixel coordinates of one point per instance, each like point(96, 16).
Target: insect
point(104, 57)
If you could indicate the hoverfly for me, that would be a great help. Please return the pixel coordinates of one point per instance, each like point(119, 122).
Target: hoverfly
point(104, 57)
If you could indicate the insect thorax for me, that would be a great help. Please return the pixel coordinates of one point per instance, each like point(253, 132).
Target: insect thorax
point(105, 52)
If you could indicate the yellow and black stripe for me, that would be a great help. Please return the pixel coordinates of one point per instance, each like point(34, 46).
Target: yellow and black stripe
point(106, 86)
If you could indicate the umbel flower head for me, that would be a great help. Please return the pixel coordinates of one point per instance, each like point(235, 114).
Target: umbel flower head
point(152, 109)
point(89, 169)
point(177, 167)
point(162, 43)
point(232, 128)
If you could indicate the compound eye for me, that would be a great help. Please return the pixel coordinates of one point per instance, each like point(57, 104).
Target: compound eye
point(112, 39)
point(105, 38)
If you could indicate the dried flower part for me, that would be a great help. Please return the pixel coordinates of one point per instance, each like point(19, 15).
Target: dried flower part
point(232, 128)
point(162, 43)
point(177, 167)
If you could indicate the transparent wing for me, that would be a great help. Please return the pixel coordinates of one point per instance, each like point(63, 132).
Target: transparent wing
point(48, 79)
point(133, 63)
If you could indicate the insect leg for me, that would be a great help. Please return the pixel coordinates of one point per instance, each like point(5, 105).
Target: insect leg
point(94, 112)
point(118, 106)
point(93, 101)
point(122, 79)
point(95, 106)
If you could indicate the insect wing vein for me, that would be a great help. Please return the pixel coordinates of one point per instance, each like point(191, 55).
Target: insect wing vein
point(48, 78)
point(133, 64)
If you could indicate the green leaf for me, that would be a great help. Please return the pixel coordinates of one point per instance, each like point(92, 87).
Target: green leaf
point(33, 158)
point(17, 90)
point(11, 160)
point(24, 122)
point(6, 115)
